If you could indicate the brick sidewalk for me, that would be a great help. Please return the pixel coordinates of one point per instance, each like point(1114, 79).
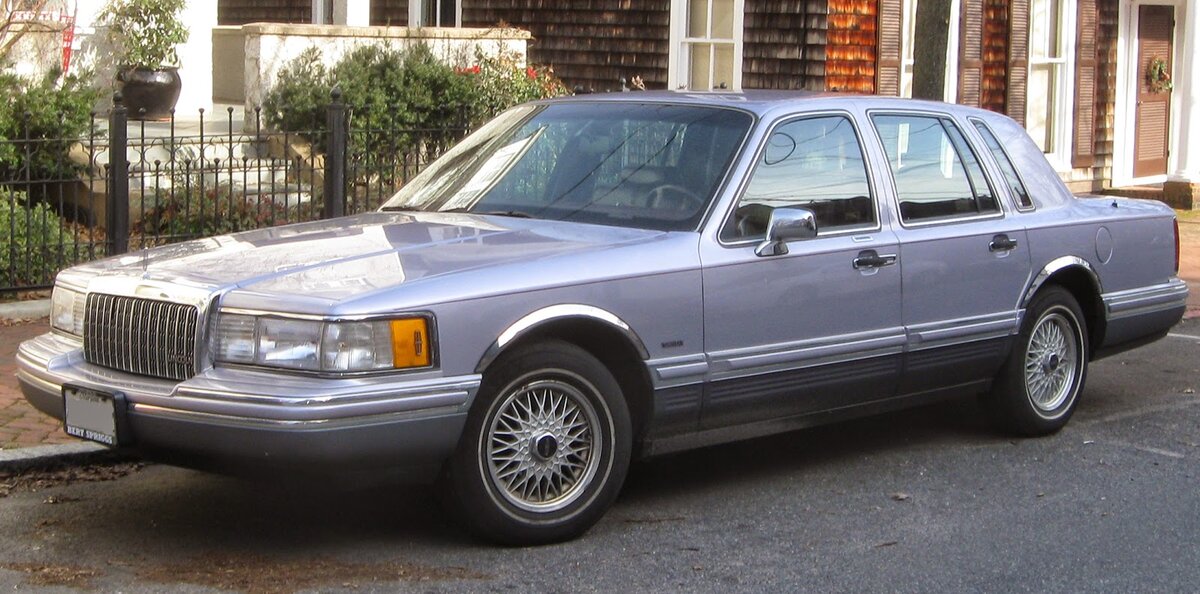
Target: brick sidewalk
point(20, 424)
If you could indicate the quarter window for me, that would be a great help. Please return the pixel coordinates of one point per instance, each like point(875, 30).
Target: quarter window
point(1015, 185)
point(936, 175)
point(814, 163)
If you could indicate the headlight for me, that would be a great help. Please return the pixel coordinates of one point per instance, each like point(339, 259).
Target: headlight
point(66, 310)
point(315, 345)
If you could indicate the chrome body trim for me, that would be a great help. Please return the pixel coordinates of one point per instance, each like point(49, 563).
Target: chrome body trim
point(673, 372)
point(955, 332)
point(1142, 300)
point(559, 312)
point(802, 354)
point(1056, 265)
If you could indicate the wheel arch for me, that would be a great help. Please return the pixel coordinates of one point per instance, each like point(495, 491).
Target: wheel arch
point(1080, 278)
point(602, 334)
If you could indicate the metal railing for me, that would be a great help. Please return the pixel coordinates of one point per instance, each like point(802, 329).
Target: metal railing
point(128, 185)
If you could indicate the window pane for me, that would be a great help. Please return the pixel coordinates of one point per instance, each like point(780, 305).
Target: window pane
point(448, 13)
point(1006, 165)
point(699, 58)
point(1042, 98)
point(697, 18)
point(814, 163)
point(930, 179)
point(723, 67)
point(722, 19)
point(985, 199)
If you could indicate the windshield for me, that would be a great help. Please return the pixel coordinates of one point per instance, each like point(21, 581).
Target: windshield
point(649, 166)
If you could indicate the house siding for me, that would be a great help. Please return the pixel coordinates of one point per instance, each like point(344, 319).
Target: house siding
point(241, 12)
point(1106, 91)
point(590, 43)
point(994, 82)
point(851, 48)
point(784, 44)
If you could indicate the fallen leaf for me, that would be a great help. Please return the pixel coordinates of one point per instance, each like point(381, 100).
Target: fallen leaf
point(889, 543)
point(900, 496)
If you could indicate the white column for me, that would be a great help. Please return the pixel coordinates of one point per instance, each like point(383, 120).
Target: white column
point(353, 13)
point(195, 58)
point(1186, 95)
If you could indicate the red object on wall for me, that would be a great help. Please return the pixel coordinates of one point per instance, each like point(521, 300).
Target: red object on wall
point(68, 39)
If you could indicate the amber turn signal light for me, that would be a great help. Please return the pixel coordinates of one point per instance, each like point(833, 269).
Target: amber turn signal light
point(410, 343)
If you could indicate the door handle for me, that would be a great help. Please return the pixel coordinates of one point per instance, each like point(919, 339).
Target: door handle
point(1002, 243)
point(872, 259)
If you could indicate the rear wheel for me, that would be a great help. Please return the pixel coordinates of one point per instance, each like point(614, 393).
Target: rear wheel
point(546, 447)
point(1039, 386)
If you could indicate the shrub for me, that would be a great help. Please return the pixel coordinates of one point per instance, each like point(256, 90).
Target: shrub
point(298, 100)
point(34, 242)
point(394, 89)
point(40, 124)
point(501, 82)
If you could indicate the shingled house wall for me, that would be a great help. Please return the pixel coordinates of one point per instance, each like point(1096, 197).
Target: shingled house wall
point(590, 43)
point(784, 44)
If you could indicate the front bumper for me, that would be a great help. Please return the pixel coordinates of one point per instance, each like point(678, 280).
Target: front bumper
point(227, 418)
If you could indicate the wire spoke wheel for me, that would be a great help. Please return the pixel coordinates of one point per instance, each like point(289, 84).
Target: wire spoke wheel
point(542, 445)
point(1051, 362)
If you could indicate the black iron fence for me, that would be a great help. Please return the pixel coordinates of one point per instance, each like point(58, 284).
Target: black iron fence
point(128, 184)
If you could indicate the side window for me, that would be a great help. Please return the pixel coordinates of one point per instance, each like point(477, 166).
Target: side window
point(936, 174)
point(814, 163)
point(1006, 165)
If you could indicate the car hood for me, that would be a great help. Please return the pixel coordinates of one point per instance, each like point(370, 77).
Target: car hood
point(335, 260)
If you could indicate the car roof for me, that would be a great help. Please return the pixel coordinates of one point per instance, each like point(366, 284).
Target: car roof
point(760, 102)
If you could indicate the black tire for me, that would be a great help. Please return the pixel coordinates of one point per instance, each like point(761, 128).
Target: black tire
point(1039, 386)
point(555, 478)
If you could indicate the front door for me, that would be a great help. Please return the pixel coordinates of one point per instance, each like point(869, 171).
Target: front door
point(1154, 67)
point(816, 328)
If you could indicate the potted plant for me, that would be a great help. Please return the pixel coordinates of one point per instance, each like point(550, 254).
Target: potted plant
point(145, 35)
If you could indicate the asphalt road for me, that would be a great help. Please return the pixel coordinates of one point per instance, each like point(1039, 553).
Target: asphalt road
point(925, 500)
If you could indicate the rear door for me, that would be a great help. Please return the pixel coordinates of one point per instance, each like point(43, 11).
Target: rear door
point(809, 330)
point(965, 262)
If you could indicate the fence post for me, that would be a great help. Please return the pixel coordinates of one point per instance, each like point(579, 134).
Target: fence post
point(118, 177)
point(335, 158)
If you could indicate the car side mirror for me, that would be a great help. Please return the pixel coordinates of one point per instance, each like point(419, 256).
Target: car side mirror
point(787, 224)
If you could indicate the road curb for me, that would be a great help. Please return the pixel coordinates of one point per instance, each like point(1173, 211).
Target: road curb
point(25, 310)
point(69, 454)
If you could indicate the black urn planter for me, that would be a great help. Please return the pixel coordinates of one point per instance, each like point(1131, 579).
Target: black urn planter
point(150, 94)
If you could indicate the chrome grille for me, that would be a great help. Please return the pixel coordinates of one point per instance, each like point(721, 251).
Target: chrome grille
point(141, 336)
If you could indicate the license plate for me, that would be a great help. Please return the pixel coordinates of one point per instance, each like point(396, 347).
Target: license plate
point(90, 414)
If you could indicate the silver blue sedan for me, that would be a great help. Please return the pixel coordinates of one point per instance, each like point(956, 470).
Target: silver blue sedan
point(587, 280)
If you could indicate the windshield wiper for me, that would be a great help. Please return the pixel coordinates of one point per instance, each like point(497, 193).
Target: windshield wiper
point(498, 213)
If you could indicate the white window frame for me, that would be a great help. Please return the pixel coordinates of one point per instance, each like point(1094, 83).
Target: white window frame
point(1063, 109)
point(679, 59)
point(415, 11)
point(908, 32)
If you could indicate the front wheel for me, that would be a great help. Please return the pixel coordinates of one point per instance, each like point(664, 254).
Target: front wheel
point(546, 447)
point(1039, 386)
